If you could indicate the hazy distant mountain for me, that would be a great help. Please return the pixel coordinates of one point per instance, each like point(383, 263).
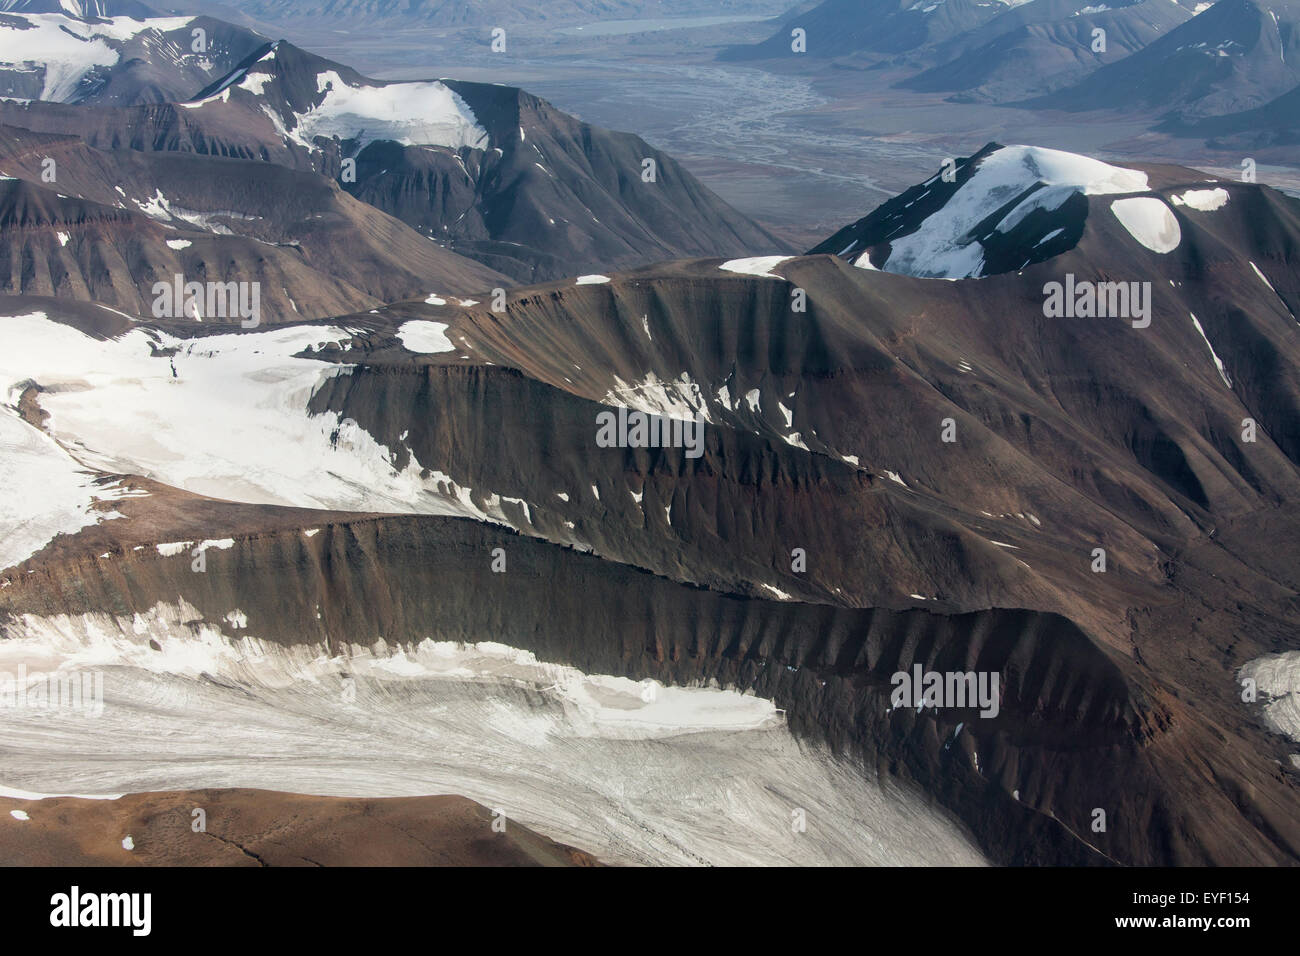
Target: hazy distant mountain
point(467, 13)
point(1237, 55)
point(1276, 123)
point(1040, 46)
point(837, 28)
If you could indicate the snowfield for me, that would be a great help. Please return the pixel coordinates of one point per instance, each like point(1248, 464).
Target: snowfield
point(47, 492)
point(632, 771)
point(224, 416)
point(413, 114)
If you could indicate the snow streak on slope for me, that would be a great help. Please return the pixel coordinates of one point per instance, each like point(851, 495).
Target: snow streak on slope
point(947, 245)
point(689, 776)
point(224, 416)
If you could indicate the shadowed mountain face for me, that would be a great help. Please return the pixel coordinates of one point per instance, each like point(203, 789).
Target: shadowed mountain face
point(548, 196)
point(998, 210)
point(892, 471)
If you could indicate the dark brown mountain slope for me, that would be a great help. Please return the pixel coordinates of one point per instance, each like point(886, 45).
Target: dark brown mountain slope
point(825, 433)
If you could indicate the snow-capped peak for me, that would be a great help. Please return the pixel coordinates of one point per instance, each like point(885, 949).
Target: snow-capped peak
point(950, 241)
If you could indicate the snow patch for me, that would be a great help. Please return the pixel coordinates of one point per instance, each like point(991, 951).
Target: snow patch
point(756, 266)
point(413, 114)
point(1149, 221)
point(425, 337)
point(1202, 200)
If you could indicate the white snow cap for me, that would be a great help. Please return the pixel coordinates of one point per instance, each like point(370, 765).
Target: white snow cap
point(944, 248)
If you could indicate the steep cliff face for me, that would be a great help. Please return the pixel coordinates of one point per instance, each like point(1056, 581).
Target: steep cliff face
point(1077, 729)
